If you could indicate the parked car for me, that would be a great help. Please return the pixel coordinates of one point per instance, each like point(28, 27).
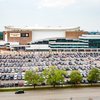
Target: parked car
point(19, 92)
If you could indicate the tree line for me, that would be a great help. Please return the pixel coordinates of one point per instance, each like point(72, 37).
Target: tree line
point(54, 76)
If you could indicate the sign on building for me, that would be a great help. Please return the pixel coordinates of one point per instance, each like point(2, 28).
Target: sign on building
point(15, 35)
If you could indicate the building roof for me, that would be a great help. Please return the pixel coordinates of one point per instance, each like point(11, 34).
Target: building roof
point(87, 36)
point(59, 28)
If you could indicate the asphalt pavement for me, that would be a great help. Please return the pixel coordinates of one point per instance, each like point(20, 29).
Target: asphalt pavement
point(55, 94)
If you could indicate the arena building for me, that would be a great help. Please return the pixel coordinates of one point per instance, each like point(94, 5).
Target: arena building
point(45, 38)
point(41, 37)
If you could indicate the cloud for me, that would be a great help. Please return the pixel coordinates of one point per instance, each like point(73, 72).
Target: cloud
point(55, 3)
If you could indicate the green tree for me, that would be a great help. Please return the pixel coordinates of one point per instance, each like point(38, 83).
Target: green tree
point(94, 75)
point(33, 77)
point(54, 76)
point(75, 77)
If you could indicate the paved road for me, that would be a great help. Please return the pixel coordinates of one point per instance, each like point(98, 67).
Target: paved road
point(58, 94)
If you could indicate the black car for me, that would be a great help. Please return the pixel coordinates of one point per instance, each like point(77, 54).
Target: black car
point(19, 92)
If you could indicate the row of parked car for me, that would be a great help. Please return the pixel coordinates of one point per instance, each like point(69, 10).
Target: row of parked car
point(5, 70)
point(11, 77)
point(13, 84)
point(12, 70)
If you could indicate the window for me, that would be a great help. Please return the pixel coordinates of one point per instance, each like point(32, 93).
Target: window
point(24, 34)
point(1, 35)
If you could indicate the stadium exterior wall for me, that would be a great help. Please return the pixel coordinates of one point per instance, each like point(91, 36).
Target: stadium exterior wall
point(20, 39)
point(74, 34)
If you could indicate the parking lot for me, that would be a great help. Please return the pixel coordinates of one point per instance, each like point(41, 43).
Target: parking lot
point(14, 64)
point(54, 94)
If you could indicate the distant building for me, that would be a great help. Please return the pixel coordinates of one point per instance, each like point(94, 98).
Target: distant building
point(30, 38)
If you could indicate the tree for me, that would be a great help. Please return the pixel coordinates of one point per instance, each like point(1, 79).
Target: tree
point(94, 75)
point(33, 77)
point(75, 77)
point(54, 76)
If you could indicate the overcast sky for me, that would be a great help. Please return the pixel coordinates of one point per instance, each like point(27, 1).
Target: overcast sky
point(69, 13)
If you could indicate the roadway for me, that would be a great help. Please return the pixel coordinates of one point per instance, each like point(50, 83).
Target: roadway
point(54, 94)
